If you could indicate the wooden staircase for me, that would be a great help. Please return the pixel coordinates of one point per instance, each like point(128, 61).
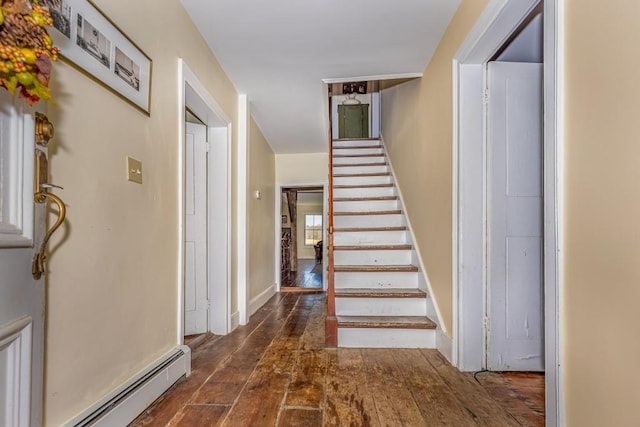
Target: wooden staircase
point(377, 292)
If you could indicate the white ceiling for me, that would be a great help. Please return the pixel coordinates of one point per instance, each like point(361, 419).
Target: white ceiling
point(279, 51)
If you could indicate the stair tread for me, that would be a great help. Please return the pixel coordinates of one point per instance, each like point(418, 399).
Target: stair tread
point(370, 138)
point(363, 199)
point(357, 147)
point(391, 212)
point(343, 156)
point(363, 186)
point(356, 229)
point(347, 175)
point(372, 248)
point(380, 293)
point(352, 165)
point(396, 322)
point(375, 268)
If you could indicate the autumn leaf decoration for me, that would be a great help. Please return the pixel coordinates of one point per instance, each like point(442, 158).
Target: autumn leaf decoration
point(26, 50)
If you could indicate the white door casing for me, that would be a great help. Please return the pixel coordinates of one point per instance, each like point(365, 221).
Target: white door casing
point(21, 297)
point(515, 232)
point(196, 297)
point(192, 94)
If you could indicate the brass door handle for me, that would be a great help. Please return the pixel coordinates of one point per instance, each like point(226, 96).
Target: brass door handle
point(38, 265)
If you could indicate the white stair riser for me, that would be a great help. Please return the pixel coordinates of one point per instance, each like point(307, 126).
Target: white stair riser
point(346, 221)
point(359, 169)
point(362, 180)
point(365, 206)
point(372, 257)
point(381, 306)
point(364, 192)
point(349, 238)
point(386, 338)
point(356, 142)
point(376, 280)
point(356, 151)
point(357, 160)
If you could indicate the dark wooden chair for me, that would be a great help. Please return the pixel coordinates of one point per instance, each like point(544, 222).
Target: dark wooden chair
point(318, 249)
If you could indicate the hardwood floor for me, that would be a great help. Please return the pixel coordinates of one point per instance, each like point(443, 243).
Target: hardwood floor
point(308, 276)
point(275, 371)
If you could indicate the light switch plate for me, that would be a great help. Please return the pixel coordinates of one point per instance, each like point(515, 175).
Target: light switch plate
point(134, 170)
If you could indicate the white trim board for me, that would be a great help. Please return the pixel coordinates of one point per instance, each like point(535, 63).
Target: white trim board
point(125, 403)
point(242, 182)
point(256, 303)
point(194, 95)
point(234, 321)
point(372, 78)
point(495, 25)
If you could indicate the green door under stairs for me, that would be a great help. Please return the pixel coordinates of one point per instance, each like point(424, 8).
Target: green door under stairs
point(353, 121)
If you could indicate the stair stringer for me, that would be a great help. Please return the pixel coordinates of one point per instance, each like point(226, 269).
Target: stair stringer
point(443, 341)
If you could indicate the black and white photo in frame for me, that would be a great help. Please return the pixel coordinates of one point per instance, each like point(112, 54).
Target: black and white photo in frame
point(92, 43)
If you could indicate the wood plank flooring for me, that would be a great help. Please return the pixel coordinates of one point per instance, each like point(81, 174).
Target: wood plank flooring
point(275, 371)
point(308, 276)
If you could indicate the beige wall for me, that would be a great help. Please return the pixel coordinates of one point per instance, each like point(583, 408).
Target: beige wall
point(308, 168)
point(417, 129)
point(601, 272)
point(112, 288)
point(261, 213)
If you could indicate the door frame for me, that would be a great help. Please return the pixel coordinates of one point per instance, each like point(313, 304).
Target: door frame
point(278, 227)
point(193, 94)
point(469, 156)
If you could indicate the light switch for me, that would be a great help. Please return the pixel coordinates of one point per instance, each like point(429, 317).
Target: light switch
point(257, 194)
point(134, 170)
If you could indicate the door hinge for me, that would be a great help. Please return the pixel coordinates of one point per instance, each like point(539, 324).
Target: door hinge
point(207, 146)
point(485, 96)
point(486, 323)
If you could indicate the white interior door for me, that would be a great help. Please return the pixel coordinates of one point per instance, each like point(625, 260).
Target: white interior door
point(515, 235)
point(196, 282)
point(21, 296)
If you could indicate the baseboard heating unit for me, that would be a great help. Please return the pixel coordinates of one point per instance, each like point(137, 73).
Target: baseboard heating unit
point(124, 404)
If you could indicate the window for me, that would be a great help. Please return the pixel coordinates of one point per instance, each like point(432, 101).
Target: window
point(312, 229)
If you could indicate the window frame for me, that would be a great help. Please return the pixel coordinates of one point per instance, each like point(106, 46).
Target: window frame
point(319, 230)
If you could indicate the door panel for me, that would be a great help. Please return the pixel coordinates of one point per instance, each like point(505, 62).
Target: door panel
point(353, 121)
point(196, 279)
point(21, 296)
point(515, 234)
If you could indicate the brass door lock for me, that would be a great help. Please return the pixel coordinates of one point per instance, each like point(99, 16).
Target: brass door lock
point(44, 129)
point(43, 133)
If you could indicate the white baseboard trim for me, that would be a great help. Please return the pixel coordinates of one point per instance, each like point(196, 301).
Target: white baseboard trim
point(444, 344)
point(127, 401)
point(260, 300)
point(234, 321)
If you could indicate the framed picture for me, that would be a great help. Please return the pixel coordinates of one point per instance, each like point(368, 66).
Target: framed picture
point(92, 43)
point(284, 219)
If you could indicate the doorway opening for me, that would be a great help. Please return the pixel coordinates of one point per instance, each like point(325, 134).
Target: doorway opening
point(204, 232)
point(509, 246)
point(302, 225)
